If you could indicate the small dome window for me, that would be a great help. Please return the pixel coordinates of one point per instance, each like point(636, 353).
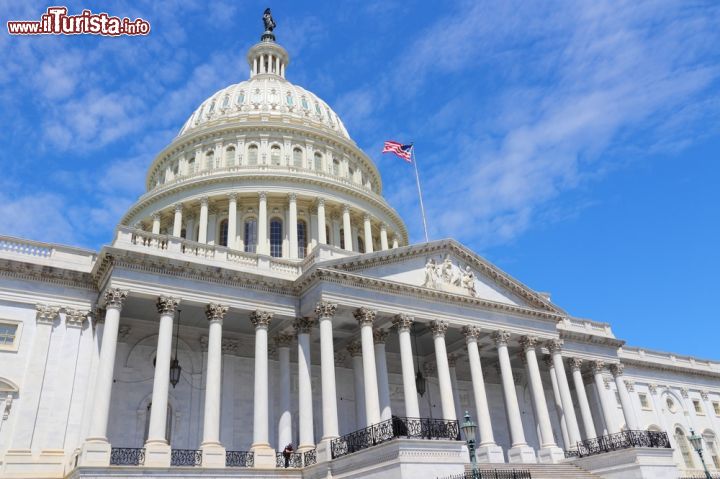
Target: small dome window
point(275, 155)
point(289, 99)
point(329, 117)
point(226, 101)
point(305, 103)
point(257, 98)
point(273, 96)
point(199, 115)
point(351, 174)
point(175, 168)
point(317, 109)
point(252, 155)
point(318, 162)
point(297, 157)
point(230, 156)
point(336, 168)
point(212, 108)
point(240, 98)
point(191, 165)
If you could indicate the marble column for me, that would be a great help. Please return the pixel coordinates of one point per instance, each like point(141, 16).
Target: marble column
point(264, 453)
point(355, 350)
point(232, 221)
point(305, 403)
point(558, 401)
point(203, 221)
point(282, 342)
point(396, 242)
point(367, 234)
point(177, 220)
point(156, 224)
point(617, 371)
point(607, 408)
point(519, 451)
point(321, 234)
point(262, 225)
point(365, 317)
point(96, 449)
point(549, 451)
point(452, 361)
point(157, 448)
point(379, 337)
point(403, 323)
point(439, 328)
point(487, 450)
point(383, 237)
point(347, 228)
point(324, 312)
point(554, 346)
point(292, 225)
point(212, 450)
point(585, 414)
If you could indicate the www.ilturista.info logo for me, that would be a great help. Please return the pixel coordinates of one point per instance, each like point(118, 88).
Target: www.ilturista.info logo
point(56, 21)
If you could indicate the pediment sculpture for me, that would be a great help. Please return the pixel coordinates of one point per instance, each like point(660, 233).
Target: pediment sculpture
point(447, 276)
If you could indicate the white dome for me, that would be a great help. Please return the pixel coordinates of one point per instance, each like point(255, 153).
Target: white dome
point(261, 96)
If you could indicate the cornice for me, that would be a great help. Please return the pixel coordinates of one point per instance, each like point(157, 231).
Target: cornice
point(674, 368)
point(46, 274)
point(589, 338)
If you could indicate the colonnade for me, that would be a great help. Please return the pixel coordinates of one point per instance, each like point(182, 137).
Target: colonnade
point(344, 227)
point(371, 381)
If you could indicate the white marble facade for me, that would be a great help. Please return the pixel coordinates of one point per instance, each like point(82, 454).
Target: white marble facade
point(205, 256)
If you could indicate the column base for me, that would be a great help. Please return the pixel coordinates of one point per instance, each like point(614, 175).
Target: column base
point(324, 451)
point(305, 447)
point(490, 454)
point(264, 456)
point(522, 455)
point(551, 455)
point(213, 455)
point(95, 453)
point(157, 454)
point(22, 463)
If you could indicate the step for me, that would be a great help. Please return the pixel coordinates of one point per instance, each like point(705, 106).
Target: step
point(542, 471)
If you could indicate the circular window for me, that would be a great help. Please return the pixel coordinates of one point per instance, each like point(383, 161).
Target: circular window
point(672, 407)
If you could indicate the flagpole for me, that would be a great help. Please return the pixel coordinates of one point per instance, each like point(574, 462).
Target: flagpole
point(417, 178)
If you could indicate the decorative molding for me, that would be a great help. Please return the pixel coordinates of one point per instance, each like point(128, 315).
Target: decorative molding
point(8, 406)
point(354, 348)
point(554, 345)
point(303, 325)
point(576, 364)
point(229, 346)
point(325, 310)
point(379, 336)
point(260, 318)
point(438, 328)
point(452, 359)
point(365, 316)
point(548, 360)
point(500, 337)
point(403, 322)
point(529, 342)
point(596, 367)
point(167, 305)
point(203, 343)
point(123, 332)
point(652, 387)
point(75, 318)
point(471, 333)
point(684, 392)
point(215, 312)
point(339, 359)
point(617, 369)
point(704, 395)
point(283, 340)
point(45, 314)
point(606, 382)
point(630, 385)
point(429, 368)
point(114, 298)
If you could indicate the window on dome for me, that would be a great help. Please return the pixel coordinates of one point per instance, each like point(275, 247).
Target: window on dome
point(297, 157)
point(276, 238)
point(327, 234)
point(351, 174)
point(223, 233)
point(191, 165)
point(697, 406)
point(226, 101)
point(257, 97)
point(175, 168)
point(199, 115)
point(250, 235)
point(317, 109)
point(209, 160)
point(342, 238)
point(318, 162)
point(240, 98)
point(252, 155)
point(336, 168)
point(684, 447)
point(230, 156)
point(212, 108)
point(361, 245)
point(302, 238)
point(329, 117)
point(289, 99)
point(305, 103)
point(275, 155)
point(716, 408)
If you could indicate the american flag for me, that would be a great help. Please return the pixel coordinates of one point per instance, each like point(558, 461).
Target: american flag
point(398, 149)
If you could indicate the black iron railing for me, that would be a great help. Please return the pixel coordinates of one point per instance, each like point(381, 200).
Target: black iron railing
point(419, 428)
point(700, 476)
point(186, 457)
point(310, 457)
point(239, 459)
point(293, 459)
point(127, 456)
point(493, 474)
point(618, 441)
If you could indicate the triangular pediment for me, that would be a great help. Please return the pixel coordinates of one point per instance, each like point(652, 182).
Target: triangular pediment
point(445, 266)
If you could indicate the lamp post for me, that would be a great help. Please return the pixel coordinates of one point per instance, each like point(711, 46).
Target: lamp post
point(696, 442)
point(468, 428)
point(175, 368)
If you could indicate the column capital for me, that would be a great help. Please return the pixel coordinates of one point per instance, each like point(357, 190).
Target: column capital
point(123, 331)
point(203, 343)
point(325, 310)
point(379, 336)
point(403, 322)
point(75, 318)
point(367, 217)
point(438, 328)
point(471, 333)
point(283, 340)
point(204, 201)
point(321, 202)
point(114, 298)
point(292, 197)
point(346, 208)
point(500, 337)
point(261, 319)
point(229, 346)
point(215, 312)
point(630, 385)
point(355, 349)
point(364, 316)
point(554, 345)
point(597, 366)
point(683, 391)
point(452, 359)
point(156, 216)
point(232, 196)
point(339, 358)
point(45, 314)
point(383, 227)
point(548, 360)
point(178, 207)
point(529, 342)
point(262, 195)
point(703, 394)
point(652, 387)
point(303, 325)
point(617, 369)
point(576, 364)
point(167, 304)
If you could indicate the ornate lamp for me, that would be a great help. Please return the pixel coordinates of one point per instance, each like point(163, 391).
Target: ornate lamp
point(420, 382)
point(696, 442)
point(468, 428)
point(175, 368)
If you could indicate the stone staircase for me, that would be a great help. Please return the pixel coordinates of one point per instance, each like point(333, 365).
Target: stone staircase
point(543, 471)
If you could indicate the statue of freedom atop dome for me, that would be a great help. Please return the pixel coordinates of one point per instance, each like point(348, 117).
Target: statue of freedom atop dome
point(268, 21)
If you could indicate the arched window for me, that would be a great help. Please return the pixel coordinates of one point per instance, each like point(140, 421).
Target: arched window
point(711, 447)
point(191, 165)
point(342, 238)
point(361, 244)
point(327, 234)
point(252, 155)
point(230, 156)
point(318, 162)
point(684, 447)
point(250, 235)
point(302, 238)
point(351, 174)
point(168, 422)
point(183, 233)
point(336, 168)
point(289, 99)
point(175, 169)
point(297, 158)
point(275, 155)
point(276, 237)
point(226, 101)
point(223, 233)
point(209, 160)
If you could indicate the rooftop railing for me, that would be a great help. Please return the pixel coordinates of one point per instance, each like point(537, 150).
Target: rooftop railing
point(619, 441)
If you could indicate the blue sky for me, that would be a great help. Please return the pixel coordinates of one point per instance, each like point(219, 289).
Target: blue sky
point(574, 144)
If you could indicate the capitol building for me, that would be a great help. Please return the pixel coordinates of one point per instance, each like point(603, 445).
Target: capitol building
point(262, 294)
